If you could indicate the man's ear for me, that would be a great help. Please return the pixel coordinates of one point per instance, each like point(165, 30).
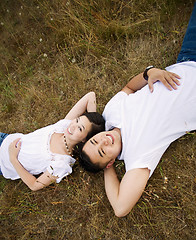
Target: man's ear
point(110, 163)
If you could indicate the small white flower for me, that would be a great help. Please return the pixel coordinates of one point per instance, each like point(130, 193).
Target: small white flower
point(68, 3)
point(20, 13)
point(40, 39)
point(2, 23)
point(8, 10)
point(45, 55)
point(73, 60)
point(37, 7)
point(51, 19)
point(165, 179)
point(21, 7)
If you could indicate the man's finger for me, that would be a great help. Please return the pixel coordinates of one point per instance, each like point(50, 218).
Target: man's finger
point(172, 82)
point(150, 85)
point(166, 84)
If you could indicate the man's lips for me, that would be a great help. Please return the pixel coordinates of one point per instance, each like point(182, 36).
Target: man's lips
point(111, 138)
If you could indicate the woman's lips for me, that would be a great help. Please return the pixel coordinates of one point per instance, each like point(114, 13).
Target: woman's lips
point(69, 130)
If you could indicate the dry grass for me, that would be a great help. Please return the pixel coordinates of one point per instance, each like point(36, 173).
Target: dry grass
point(52, 53)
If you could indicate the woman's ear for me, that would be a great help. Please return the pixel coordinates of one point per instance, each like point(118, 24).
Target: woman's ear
point(110, 163)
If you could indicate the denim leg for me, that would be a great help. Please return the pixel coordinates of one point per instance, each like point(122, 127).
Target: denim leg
point(2, 137)
point(188, 50)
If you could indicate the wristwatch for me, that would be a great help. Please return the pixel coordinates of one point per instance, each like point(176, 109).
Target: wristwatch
point(145, 75)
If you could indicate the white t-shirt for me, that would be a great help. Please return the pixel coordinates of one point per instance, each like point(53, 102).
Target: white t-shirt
point(35, 154)
point(149, 122)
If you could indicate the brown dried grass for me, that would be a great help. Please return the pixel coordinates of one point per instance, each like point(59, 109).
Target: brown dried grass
point(52, 53)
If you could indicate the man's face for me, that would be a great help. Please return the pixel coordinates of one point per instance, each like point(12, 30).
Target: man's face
point(104, 147)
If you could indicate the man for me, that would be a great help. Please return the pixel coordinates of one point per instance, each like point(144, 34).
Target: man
point(141, 124)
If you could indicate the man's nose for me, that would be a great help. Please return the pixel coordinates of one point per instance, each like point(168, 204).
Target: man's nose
point(105, 141)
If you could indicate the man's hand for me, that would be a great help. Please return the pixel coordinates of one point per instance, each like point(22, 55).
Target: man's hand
point(169, 79)
point(14, 149)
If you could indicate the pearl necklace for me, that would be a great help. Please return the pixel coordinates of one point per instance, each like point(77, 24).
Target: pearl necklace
point(68, 150)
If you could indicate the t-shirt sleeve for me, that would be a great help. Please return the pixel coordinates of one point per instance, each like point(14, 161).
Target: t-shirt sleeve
point(112, 111)
point(149, 160)
point(61, 167)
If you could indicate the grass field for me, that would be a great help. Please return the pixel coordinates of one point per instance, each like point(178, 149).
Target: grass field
point(52, 53)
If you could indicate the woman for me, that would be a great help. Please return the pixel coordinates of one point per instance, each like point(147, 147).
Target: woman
point(49, 150)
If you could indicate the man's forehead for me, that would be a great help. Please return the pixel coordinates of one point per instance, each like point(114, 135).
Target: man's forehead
point(88, 146)
point(91, 150)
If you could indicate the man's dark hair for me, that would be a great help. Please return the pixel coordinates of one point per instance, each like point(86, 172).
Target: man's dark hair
point(86, 163)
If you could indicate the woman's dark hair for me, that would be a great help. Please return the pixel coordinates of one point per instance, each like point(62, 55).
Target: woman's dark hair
point(98, 123)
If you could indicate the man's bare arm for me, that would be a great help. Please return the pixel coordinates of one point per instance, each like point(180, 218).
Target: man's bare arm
point(169, 79)
point(124, 195)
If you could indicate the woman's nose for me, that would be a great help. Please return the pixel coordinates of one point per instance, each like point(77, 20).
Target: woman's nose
point(72, 128)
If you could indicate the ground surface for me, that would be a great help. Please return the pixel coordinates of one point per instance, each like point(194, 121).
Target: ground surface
point(52, 53)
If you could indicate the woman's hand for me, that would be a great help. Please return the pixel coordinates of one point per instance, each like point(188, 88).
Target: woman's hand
point(86, 103)
point(14, 149)
point(169, 79)
point(91, 104)
point(32, 182)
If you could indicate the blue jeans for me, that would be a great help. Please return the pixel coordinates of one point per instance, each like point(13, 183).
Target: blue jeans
point(188, 50)
point(2, 137)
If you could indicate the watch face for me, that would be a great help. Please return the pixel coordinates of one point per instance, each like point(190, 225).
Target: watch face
point(149, 67)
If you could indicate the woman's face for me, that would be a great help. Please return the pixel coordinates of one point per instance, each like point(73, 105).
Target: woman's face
point(78, 129)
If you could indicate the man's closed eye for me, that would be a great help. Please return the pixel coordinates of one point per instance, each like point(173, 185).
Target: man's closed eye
point(100, 153)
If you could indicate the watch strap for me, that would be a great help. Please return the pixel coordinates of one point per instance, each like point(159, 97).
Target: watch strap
point(145, 75)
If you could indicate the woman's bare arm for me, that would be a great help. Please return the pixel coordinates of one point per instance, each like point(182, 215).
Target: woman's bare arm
point(86, 103)
point(32, 182)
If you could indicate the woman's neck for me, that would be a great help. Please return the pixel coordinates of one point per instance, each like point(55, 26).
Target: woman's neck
point(70, 143)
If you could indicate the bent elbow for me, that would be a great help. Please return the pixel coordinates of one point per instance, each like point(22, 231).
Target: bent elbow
point(34, 188)
point(121, 212)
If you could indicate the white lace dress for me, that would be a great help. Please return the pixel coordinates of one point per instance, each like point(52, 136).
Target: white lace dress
point(35, 154)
